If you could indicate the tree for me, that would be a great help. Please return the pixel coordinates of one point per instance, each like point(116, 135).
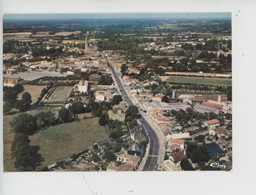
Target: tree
point(65, 115)
point(117, 99)
point(124, 69)
point(103, 119)
point(18, 88)
point(165, 99)
point(229, 93)
point(28, 158)
point(43, 92)
point(22, 105)
point(20, 140)
point(7, 107)
point(77, 108)
point(24, 123)
point(132, 111)
point(109, 155)
point(10, 95)
point(44, 119)
point(105, 80)
point(26, 97)
point(186, 165)
point(117, 147)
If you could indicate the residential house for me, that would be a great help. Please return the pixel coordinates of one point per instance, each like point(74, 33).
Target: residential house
point(177, 157)
point(10, 82)
point(102, 143)
point(135, 149)
point(138, 133)
point(220, 132)
point(175, 145)
point(158, 97)
point(212, 123)
point(129, 159)
point(82, 87)
point(117, 114)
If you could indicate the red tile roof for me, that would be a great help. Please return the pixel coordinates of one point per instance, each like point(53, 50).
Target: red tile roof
point(177, 141)
point(212, 105)
point(213, 121)
point(159, 96)
point(178, 156)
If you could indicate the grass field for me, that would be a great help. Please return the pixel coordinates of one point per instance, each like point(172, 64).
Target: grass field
point(34, 90)
point(202, 81)
point(8, 137)
point(60, 94)
point(61, 141)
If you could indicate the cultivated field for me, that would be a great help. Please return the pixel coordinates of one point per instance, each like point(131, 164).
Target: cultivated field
point(60, 94)
point(61, 141)
point(202, 81)
point(34, 90)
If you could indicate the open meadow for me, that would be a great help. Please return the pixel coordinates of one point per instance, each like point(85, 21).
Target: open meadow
point(56, 142)
point(61, 141)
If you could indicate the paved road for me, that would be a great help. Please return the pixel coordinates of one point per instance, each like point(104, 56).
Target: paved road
point(151, 163)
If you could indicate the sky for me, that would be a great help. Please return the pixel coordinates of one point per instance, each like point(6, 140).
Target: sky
point(220, 15)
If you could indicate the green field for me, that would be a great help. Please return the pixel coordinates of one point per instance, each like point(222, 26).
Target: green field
point(60, 94)
point(61, 141)
point(202, 81)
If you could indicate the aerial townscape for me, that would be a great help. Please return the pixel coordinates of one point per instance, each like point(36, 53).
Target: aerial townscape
point(122, 93)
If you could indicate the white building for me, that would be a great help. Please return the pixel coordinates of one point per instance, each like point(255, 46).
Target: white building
point(82, 87)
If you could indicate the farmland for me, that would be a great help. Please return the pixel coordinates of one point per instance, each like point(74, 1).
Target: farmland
point(202, 81)
point(61, 141)
point(59, 95)
point(33, 90)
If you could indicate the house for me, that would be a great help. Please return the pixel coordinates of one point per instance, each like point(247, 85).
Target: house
point(102, 143)
point(180, 136)
point(138, 133)
point(117, 114)
point(11, 71)
point(177, 157)
point(220, 131)
point(10, 82)
point(129, 159)
point(212, 123)
point(158, 97)
point(100, 97)
point(175, 145)
point(82, 87)
point(135, 149)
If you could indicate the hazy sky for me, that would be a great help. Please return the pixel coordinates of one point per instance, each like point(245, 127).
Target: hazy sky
point(226, 15)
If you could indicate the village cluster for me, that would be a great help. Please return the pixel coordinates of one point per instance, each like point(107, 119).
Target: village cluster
point(182, 92)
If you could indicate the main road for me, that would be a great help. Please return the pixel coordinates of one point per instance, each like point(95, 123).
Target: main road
point(152, 160)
